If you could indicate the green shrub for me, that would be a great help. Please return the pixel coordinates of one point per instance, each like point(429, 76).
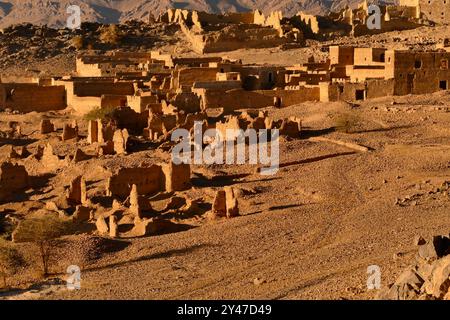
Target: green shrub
point(101, 114)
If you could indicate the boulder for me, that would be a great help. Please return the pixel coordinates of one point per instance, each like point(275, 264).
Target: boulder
point(101, 225)
point(81, 214)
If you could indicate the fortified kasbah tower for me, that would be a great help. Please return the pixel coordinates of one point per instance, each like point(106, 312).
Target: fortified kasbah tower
point(437, 11)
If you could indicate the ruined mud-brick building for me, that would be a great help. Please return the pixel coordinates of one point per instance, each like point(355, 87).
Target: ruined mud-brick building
point(217, 33)
point(27, 97)
point(209, 33)
point(361, 73)
point(149, 180)
point(437, 11)
point(354, 22)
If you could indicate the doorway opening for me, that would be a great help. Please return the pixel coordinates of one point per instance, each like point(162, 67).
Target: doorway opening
point(360, 95)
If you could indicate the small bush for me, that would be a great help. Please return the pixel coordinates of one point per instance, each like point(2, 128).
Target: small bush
point(10, 260)
point(101, 114)
point(346, 122)
point(110, 34)
point(43, 232)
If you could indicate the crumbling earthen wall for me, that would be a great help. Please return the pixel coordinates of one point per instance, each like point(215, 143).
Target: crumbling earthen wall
point(113, 101)
point(348, 91)
point(380, 88)
point(231, 17)
point(148, 180)
point(176, 177)
point(240, 36)
point(369, 56)
point(88, 70)
point(187, 76)
point(186, 101)
point(361, 73)
point(97, 89)
point(13, 178)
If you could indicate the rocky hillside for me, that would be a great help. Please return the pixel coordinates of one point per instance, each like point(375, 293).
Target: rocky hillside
point(53, 13)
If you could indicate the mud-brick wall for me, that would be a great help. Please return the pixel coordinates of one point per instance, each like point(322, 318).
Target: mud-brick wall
point(291, 97)
point(350, 89)
point(418, 72)
point(342, 55)
point(187, 77)
point(25, 97)
point(242, 36)
point(341, 91)
point(140, 103)
point(12, 179)
point(148, 180)
point(97, 89)
point(380, 88)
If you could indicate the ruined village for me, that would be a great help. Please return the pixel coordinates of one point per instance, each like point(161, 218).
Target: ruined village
point(87, 174)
